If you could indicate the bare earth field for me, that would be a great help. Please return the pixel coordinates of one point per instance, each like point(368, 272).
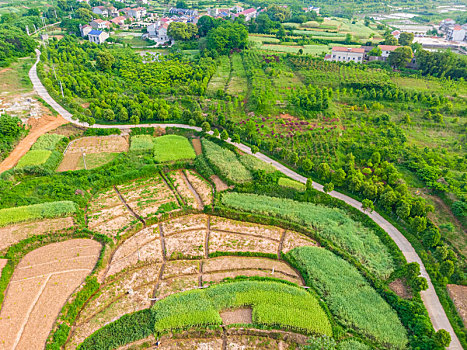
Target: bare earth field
point(200, 185)
point(151, 265)
point(12, 234)
point(91, 145)
point(39, 287)
point(108, 215)
point(459, 297)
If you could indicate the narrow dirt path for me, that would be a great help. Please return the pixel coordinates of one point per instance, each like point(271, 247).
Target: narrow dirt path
point(128, 207)
point(41, 126)
point(198, 199)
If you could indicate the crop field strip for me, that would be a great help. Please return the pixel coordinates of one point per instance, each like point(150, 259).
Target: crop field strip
point(168, 276)
point(40, 285)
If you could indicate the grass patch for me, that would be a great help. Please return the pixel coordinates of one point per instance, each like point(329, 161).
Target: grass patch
point(289, 183)
point(10, 216)
point(34, 158)
point(220, 78)
point(95, 160)
point(141, 143)
point(47, 142)
point(170, 148)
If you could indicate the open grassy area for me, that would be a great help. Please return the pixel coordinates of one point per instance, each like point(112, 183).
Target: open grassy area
point(14, 79)
point(171, 148)
point(94, 160)
point(221, 77)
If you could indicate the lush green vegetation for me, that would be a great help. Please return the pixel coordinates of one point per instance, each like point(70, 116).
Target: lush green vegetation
point(286, 182)
point(36, 211)
point(349, 297)
point(333, 224)
point(11, 130)
point(225, 163)
point(34, 157)
point(171, 148)
point(47, 142)
point(141, 143)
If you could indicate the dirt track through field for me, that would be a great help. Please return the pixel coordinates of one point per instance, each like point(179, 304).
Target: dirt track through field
point(39, 127)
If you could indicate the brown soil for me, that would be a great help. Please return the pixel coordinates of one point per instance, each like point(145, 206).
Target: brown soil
point(70, 162)
point(201, 186)
point(220, 185)
point(2, 265)
point(69, 130)
point(242, 315)
point(293, 239)
point(398, 286)
point(458, 295)
point(34, 300)
point(197, 146)
point(39, 127)
point(5, 70)
point(14, 233)
point(288, 117)
point(98, 144)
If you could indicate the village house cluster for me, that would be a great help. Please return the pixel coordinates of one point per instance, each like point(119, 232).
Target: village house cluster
point(453, 31)
point(359, 54)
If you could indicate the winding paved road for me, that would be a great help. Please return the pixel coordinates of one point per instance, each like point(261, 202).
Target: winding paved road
point(430, 299)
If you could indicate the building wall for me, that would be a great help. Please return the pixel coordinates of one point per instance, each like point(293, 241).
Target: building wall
point(347, 56)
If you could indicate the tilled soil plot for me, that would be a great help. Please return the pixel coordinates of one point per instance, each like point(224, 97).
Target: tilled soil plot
point(459, 296)
point(293, 240)
point(183, 190)
point(38, 289)
point(12, 234)
point(201, 186)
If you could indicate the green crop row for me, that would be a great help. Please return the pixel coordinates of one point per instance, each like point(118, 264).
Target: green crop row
point(333, 224)
point(286, 182)
point(36, 211)
point(141, 143)
point(254, 164)
point(225, 163)
point(39, 161)
point(171, 148)
point(349, 296)
point(47, 142)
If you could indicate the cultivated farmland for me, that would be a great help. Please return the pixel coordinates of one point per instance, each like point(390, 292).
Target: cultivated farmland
point(39, 287)
point(169, 148)
point(102, 145)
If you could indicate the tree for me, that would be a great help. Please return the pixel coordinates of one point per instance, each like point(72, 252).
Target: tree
point(309, 184)
point(254, 149)
point(367, 205)
point(105, 60)
point(376, 51)
point(405, 39)
point(443, 338)
point(307, 164)
point(419, 284)
point(324, 171)
point(400, 57)
point(390, 40)
point(236, 138)
point(215, 133)
point(328, 187)
point(403, 209)
point(446, 269)
point(181, 4)
point(278, 13)
point(224, 135)
point(205, 24)
point(206, 127)
point(338, 177)
point(281, 33)
point(348, 38)
point(182, 31)
point(226, 37)
point(431, 237)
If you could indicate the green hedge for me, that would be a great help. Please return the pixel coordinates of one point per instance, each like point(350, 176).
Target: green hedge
point(102, 131)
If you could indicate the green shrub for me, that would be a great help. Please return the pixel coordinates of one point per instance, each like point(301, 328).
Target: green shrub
point(348, 295)
point(36, 211)
point(47, 142)
point(286, 182)
point(333, 224)
point(34, 158)
point(170, 148)
point(141, 143)
point(225, 163)
point(102, 131)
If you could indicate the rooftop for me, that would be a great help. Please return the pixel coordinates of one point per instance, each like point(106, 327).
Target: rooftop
point(388, 47)
point(348, 49)
point(95, 32)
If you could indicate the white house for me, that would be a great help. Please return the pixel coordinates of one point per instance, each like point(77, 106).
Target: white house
point(386, 50)
point(98, 37)
point(456, 33)
point(249, 14)
point(347, 54)
point(236, 9)
point(99, 24)
point(101, 11)
point(312, 8)
point(158, 31)
point(85, 29)
point(135, 12)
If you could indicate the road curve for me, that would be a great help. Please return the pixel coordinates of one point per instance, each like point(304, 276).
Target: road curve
point(430, 298)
